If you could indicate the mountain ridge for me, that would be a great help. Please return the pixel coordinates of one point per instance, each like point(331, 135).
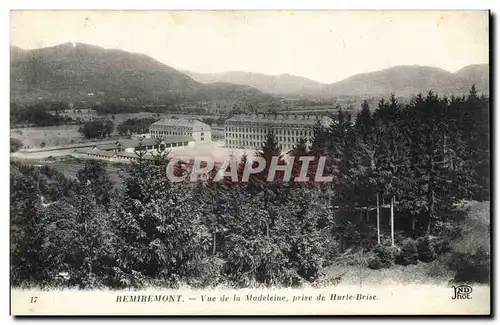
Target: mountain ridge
point(72, 71)
point(414, 78)
point(281, 84)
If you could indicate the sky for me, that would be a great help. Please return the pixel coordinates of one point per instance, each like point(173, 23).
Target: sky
point(326, 46)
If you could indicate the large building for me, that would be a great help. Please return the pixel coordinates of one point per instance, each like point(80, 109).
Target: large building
point(249, 131)
point(200, 132)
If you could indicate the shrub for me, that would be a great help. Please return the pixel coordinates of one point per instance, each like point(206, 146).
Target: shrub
point(409, 253)
point(426, 252)
point(438, 270)
point(309, 258)
point(399, 238)
point(441, 246)
point(471, 268)
point(383, 257)
point(375, 263)
point(204, 273)
point(470, 257)
point(15, 144)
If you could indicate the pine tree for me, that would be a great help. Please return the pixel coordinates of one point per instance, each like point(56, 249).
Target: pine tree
point(270, 148)
point(341, 139)
point(300, 149)
point(393, 153)
point(319, 141)
point(364, 121)
point(366, 170)
point(426, 124)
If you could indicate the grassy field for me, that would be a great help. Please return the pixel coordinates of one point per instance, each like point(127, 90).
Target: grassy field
point(422, 273)
point(51, 135)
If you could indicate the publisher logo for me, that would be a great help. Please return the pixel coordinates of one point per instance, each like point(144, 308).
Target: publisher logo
point(462, 292)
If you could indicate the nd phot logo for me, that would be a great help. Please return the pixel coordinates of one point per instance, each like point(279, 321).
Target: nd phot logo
point(462, 292)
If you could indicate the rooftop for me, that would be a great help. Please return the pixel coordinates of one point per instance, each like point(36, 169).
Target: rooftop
point(108, 154)
point(133, 143)
point(179, 122)
point(282, 119)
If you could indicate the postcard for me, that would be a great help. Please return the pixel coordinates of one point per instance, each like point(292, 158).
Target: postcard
point(250, 162)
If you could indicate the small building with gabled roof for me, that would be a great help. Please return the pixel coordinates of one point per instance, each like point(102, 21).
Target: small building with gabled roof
point(146, 144)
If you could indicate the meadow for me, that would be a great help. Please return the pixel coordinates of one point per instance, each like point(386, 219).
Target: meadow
point(52, 136)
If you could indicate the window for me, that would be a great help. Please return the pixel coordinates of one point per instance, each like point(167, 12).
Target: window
point(202, 139)
point(202, 133)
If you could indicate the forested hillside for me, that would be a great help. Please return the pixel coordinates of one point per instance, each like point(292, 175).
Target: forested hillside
point(83, 72)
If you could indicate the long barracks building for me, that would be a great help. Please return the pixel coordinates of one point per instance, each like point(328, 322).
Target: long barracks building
point(249, 131)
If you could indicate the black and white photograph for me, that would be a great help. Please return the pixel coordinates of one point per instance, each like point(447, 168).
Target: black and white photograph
point(203, 162)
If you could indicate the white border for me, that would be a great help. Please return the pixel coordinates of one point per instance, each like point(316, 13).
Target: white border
point(190, 4)
point(259, 4)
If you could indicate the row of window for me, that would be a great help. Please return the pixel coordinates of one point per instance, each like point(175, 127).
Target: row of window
point(263, 137)
point(172, 128)
point(253, 145)
point(164, 133)
point(170, 132)
point(283, 141)
point(250, 145)
point(230, 130)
